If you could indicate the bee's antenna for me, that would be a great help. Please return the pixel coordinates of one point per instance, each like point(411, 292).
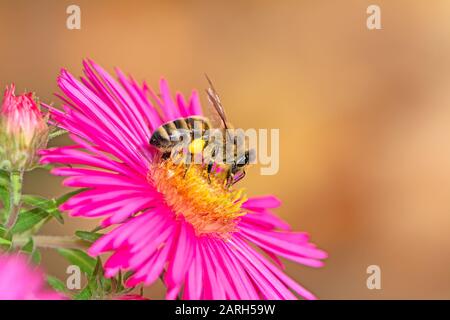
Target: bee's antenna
point(215, 101)
point(210, 82)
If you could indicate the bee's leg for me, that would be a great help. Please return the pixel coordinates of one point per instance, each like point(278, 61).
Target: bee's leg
point(210, 167)
point(229, 177)
point(240, 177)
point(186, 162)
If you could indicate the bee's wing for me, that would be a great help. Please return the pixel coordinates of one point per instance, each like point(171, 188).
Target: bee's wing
point(214, 118)
point(214, 100)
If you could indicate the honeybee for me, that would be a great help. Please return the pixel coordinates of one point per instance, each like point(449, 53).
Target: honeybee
point(218, 148)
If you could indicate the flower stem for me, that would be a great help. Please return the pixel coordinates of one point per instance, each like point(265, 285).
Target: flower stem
point(16, 178)
point(52, 242)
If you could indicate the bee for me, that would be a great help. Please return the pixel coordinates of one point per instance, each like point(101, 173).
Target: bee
point(220, 150)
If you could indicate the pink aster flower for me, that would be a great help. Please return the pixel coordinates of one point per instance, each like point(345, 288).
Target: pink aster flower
point(19, 281)
point(23, 131)
point(207, 241)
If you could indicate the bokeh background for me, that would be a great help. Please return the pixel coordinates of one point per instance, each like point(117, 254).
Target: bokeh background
point(364, 116)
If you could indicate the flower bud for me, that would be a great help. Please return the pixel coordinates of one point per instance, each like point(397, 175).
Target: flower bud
point(23, 131)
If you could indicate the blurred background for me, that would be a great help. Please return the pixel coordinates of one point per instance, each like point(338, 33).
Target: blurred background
point(364, 116)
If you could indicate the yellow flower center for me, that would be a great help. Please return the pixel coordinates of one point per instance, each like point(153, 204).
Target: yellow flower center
point(205, 202)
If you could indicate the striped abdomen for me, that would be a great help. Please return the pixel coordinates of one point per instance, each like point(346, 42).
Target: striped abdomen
point(170, 134)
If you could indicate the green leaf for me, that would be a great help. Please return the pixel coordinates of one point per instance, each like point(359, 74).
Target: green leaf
point(37, 201)
point(79, 258)
point(5, 242)
point(56, 133)
point(88, 236)
point(4, 178)
point(3, 232)
point(93, 285)
point(28, 247)
point(67, 196)
point(28, 219)
point(36, 257)
point(98, 270)
point(127, 275)
point(5, 197)
point(57, 215)
point(44, 166)
point(5, 239)
point(50, 206)
point(85, 294)
point(56, 284)
point(107, 284)
point(119, 283)
point(45, 204)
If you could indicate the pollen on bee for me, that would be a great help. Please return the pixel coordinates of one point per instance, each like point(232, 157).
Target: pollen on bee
point(204, 201)
point(196, 146)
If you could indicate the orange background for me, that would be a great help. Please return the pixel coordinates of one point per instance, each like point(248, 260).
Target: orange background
point(364, 116)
